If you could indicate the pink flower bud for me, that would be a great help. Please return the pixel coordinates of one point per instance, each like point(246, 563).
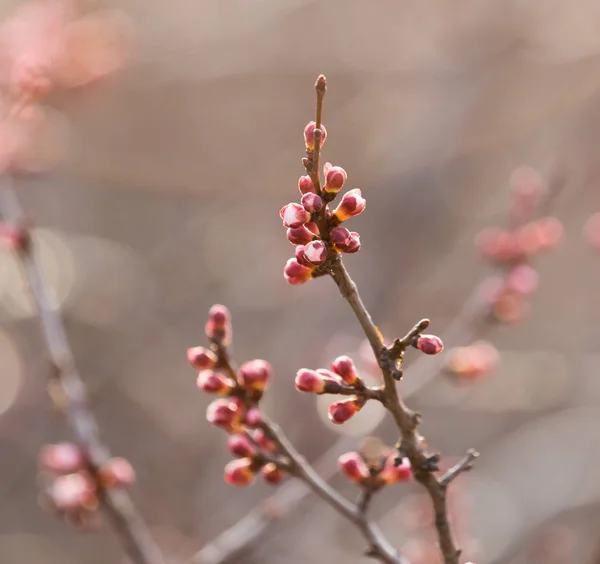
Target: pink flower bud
point(340, 411)
point(62, 458)
point(15, 237)
point(312, 203)
point(218, 326)
point(296, 273)
point(509, 307)
point(240, 472)
point(72, 491)
point(225, 413)
point(253, 417)
point(214, 383)
point(352, 204)
point(353, 466)
point(294, 215)
point(305, 185)
point(316, 382)
point(300, 235)
point(299, 252)
point(241, 446)
point(201, 358)
point(335, 178)
point(551, 232)
point(498, 245)
point(272, 474)
point(263, 441)
point(315, 253)
point(474, 361)
point(392, 474)
point(116, 472)
point(522, 279)
point(429, 344)
point(309, 135)
point(345, 369)
point(255, 374)
point(345, 241)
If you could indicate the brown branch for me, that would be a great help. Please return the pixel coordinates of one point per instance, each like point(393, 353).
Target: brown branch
point(464, 465)
point(69, 393)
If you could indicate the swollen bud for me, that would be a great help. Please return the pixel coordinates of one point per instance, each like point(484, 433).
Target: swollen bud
point(296, 273)
point(62, 458)
point(314, 253)
point(201, 358)
point(345, 369)
point(301, 235)
point(429, 344)
point(340, 411)
point(352, 204)
point(73, 491)
point(116, 472)
point(311, 381)
point(214, 383)
point(272, 474)
point(311, 203)
point(225, 414)
point(335, 178)
point(345, 241)
point(240, 472)
point(254, 375)
point(392, 474)
point(218, 326)
point(240, 445)
point(305, 185)
point(353, 466)
point(309, 135)
point(294, 215)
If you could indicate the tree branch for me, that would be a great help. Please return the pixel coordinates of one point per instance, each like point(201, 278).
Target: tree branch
point(69, 392)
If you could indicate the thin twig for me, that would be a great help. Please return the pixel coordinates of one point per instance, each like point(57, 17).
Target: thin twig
point(124, 517)
point(464, 465)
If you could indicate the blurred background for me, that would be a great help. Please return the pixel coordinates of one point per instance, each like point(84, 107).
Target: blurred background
point(156, 193)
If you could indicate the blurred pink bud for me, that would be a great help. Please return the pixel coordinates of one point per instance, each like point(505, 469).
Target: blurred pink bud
point(255, 374)
point(294, 215)
point(218, 326)
point(522, 279)
point(309, 135)
point(551, 232)
point(345, 241)
point(296, 273)
point(474, 361)
point(315, 253)
point(316, 382)
point(15, 237)
point(491, 289)
point(352, 204)
point(214, 383)
point(305, 185)
point(498, 245)
point(300, 235)
point(62, 458)
point(429, 344)
point(272, 474)
point(263, 441)
point(335, 178)
point(253, 417)
point(224, 413)
point(312, 203)
point(527, 184)
point(116, 472)
point(509, 307)
point(240, 472)
point(240, 445)
point(342, 410)
point(344, 367)
point(391, 474)
point(352, 465)
point(201, 358)
point(72, 490)
point(29, 79)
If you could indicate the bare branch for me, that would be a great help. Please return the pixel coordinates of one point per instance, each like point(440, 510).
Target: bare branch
point(464, 465)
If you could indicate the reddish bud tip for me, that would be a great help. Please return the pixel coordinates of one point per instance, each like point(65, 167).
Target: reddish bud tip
point(509, 307)
point(522, 279)
point(272, 474)
point(218, 326)
point(300, 235)
point(335, 178)
point(240, 472)
point(116, 472)
point(255, 374)
point(340, 411)
point(72, 491)
point(429, 344)
point(392, 474)
point(263, 441)
point(201, 358)
point(62, 458)
point(352, 465)
point(551, 232)
point(240, 445)
point(474, 361)
point(214, 383)
point(352, 204)
point(294, 215)
point(225, 413)
point(345, 241)
point(253, 417)
point(344, 367)
point(15, 237)
point(315, 253)
point(305, 185)
point(312, 203)
point(310, 381)
point(309, 135)
point(296, 273)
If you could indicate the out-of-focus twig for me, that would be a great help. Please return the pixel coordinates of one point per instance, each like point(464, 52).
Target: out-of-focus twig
point(68, 390)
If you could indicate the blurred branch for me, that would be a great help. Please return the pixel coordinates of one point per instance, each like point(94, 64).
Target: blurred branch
point(68, 390)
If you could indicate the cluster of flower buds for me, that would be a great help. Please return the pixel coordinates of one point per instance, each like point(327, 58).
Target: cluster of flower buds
point(513, 249)
point(472, 362)
point(237, 410)
point(375, 466)
point(69, 487)
point(311, 225)
point(343, 379)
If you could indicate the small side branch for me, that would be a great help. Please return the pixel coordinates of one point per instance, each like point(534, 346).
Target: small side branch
point(464, 465)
